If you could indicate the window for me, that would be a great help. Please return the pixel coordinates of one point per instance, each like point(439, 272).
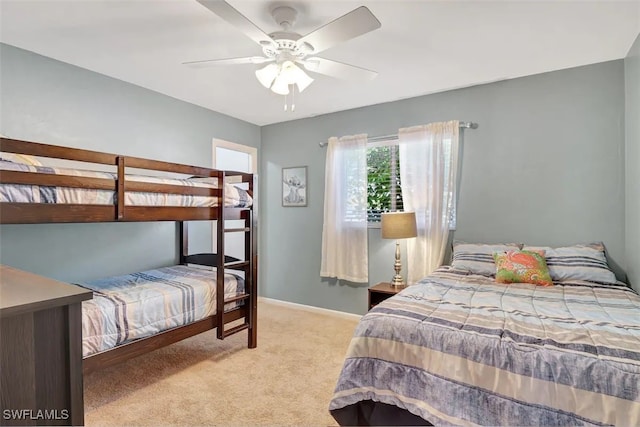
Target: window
point(383, 180)
point(384, 193)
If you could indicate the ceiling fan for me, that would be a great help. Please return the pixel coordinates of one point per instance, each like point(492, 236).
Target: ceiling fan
point(285, 51)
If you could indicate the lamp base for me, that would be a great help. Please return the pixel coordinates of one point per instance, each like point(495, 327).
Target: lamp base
point(397, 282)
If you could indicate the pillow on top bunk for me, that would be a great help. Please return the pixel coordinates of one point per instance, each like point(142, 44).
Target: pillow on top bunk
point(578, 262)
point(25, 159)
point(477, 258)
point(234, 194)
point(522, 266)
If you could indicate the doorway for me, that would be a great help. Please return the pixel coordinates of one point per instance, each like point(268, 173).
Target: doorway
point(241, 158)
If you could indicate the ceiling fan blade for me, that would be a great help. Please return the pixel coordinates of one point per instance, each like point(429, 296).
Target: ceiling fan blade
point(355, 23)
point(337, 69)
point(227, 12)
point(229, 61)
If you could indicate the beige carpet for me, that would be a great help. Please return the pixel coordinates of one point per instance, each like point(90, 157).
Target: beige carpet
point(288, 380)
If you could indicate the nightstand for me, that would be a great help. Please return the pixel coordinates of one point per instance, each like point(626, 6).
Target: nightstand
point(381, 292)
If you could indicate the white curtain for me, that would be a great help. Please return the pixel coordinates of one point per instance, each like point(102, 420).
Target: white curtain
point(428, 175)
point(344, 232)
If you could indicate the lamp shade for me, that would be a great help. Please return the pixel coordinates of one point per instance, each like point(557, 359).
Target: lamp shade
point(278, 77)
point(399, 225)
point(300, 78)
point(267, 75)
point(280, 85)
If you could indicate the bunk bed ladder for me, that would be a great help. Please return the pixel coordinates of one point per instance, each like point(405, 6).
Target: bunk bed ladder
point(245, 266)
point(222, 262)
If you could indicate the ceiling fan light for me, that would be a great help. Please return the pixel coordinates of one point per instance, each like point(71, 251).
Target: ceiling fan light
point(288, 72)
point(267, 75)
point(302, 80)
point(280, 85)
point(294, 75)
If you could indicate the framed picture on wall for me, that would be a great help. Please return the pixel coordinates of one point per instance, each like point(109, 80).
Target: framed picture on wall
point(294, 186)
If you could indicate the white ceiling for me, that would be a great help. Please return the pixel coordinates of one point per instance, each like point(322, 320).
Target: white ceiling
point(422, 46)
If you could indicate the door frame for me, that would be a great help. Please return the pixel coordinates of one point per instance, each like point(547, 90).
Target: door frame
point(234, 146)
point(251, 151)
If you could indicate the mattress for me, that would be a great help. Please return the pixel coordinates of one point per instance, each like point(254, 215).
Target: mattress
point(19, 193)
point(461, 349)
point(133, 306)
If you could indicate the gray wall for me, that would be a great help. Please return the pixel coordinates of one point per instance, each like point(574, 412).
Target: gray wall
point(632, 163)
point(545, 167)
point(49, 101)
point(549, 147)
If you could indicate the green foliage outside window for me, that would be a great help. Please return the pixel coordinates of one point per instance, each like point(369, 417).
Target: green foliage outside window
point(383, 181)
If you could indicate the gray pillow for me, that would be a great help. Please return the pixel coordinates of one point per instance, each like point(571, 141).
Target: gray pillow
point(578, 262)
point(477, 258)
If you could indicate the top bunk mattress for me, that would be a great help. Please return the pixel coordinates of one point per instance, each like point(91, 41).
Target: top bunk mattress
point(23, 193)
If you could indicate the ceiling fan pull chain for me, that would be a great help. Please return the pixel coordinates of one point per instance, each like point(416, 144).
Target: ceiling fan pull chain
point(285, 103)
point(293, 98)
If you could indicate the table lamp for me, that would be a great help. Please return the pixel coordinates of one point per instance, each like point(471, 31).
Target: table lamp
point(398, 225)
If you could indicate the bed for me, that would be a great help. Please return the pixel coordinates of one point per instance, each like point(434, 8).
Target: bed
point(139, 312)
point(458, 348)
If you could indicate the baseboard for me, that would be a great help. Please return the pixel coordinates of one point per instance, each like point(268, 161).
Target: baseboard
point(310, 308)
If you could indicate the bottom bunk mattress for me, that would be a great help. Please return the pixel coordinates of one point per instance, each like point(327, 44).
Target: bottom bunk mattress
point(461, 349)
point(138, 305)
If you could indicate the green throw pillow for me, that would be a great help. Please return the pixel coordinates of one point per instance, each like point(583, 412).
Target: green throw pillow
point(522, 267)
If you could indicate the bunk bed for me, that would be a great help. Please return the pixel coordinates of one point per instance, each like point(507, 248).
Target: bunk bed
point(32, 193)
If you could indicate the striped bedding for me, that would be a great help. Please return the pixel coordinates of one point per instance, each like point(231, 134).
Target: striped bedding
point(460, 349)
point(133, 306)
point(19, 193)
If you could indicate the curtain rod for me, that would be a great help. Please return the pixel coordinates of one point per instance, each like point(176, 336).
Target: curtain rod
point(464, 125)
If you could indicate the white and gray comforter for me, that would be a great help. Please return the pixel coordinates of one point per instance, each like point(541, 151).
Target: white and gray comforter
point(461, 349)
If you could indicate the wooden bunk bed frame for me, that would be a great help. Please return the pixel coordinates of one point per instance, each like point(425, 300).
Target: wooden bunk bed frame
point(32, 213)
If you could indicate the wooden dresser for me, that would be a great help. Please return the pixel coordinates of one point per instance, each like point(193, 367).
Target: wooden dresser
point(40, 350)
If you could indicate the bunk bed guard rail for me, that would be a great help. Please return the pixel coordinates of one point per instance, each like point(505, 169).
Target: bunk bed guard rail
point(25, 213)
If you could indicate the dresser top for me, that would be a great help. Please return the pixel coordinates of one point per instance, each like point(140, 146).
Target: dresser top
point(23, 292)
